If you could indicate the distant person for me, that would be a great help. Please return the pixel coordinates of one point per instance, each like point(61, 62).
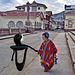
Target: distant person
point(47, 52)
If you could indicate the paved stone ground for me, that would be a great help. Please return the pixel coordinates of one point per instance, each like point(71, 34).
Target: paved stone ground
point(63, 67)
point(64, 62)
point(71, 45)
point(7, 67)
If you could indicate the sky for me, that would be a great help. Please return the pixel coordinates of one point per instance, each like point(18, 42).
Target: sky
point(55, 6)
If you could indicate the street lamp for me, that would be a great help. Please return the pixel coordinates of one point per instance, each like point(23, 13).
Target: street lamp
point(18, 38)
point(28, 23)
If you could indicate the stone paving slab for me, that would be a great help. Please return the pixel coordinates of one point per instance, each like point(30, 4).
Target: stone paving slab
point(7, 67)
point(73, 32)
point(72, 36)
point(11, 36)
point(64, 66)
point(71, 46)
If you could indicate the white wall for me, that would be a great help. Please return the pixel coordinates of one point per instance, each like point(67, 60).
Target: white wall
point(42, 9)
point(25, 9)
point(67, 17)
point(5, 20)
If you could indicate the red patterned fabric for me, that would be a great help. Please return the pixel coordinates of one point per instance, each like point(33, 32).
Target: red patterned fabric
point(47, 49)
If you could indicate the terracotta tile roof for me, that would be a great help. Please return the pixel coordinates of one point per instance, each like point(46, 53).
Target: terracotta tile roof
point(20, 13)
point(49, 13)
point(71, 12)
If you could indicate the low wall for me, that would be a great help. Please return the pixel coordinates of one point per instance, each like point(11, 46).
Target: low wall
point(8, 31)
point(66, 30)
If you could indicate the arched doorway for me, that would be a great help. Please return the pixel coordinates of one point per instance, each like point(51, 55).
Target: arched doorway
point(11, 24)
point(19, 24)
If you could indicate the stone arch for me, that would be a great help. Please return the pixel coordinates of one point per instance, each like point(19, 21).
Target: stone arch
point(11, 24)
point(19, 24)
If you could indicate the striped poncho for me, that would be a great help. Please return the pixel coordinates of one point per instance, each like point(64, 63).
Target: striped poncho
point(47, 51)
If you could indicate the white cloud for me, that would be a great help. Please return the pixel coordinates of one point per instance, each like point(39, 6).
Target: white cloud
point(30, 1)
point(67, 2)
point(53, 5)
point(20, 1)
point(47, 3)
point(11, 6)
point(6, 7)
point(61, 1)
point(70, 2)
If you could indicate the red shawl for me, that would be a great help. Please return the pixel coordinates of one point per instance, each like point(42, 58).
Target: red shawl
point(46, 50)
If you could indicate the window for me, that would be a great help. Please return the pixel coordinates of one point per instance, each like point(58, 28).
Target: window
point(19, 8)
point(19, 24)
point(11, 24)
point(69, 23)
point(24, 9)
point(38, 8)
point(34, 8)
point(29, 8)
point(35, 24)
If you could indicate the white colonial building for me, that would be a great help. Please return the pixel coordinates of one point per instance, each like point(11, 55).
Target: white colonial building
point(69, 19)
point(69, 22)
point(17, 18)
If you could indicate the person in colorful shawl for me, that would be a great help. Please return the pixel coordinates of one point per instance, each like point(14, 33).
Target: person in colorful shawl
point(47, 52)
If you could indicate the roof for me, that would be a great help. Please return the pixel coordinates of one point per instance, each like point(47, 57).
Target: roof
point(70, 12)
point(33, 4)
point(49, 13)
point(53, 20)
point(69, 7)
point(20, 13)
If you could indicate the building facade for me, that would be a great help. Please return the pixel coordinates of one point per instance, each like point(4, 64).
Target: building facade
point(69, 7)
point(69, 20)
point(38, 17)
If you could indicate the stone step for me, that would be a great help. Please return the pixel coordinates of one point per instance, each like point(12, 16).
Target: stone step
point(72, 36)
point(73, 32)
point(71, 46)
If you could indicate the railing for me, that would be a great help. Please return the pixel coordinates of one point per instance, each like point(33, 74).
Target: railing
point(8, 31)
